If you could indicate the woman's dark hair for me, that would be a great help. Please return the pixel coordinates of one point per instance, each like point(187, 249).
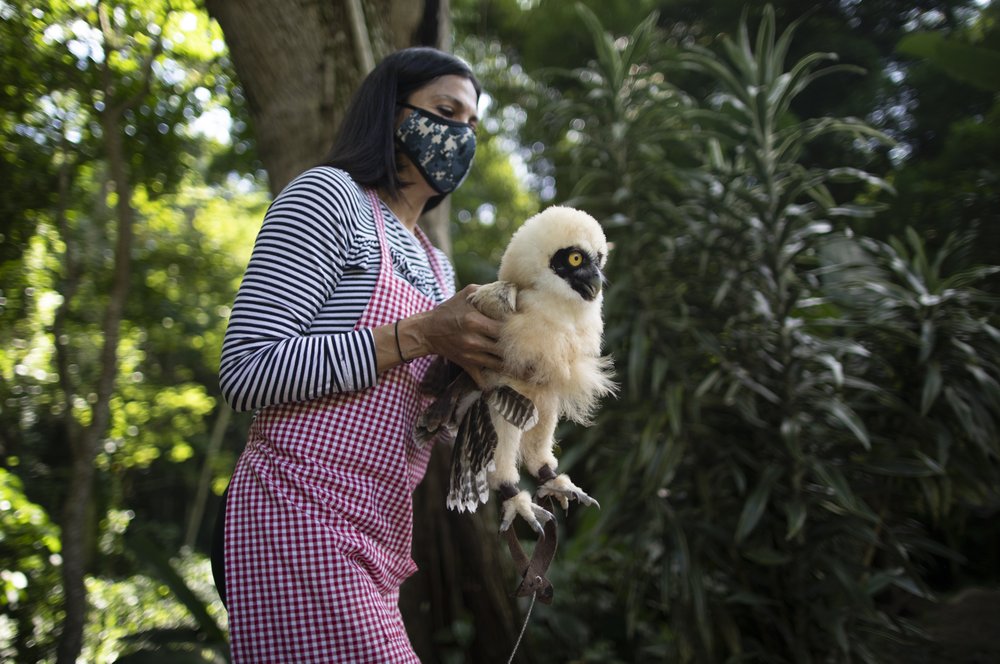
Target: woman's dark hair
point(365, 146)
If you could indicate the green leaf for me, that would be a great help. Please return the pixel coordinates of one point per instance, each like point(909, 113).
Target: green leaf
point(607, 55)
point(852, 211)
point(845, 174)
point(699, 600)
point(707, 383)
point(638, 352)
point(848, 579)
point(836, 368)
point(900, 468)
point(765, 42)
point(797, 512)
point(932, 387)
point(990, 386)
point(673, 457)
point(830, 476)
point(756, 504)
point(846, 416)
point(927, 336)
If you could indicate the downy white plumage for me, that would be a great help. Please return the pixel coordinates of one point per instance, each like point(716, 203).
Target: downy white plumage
point(549, 297)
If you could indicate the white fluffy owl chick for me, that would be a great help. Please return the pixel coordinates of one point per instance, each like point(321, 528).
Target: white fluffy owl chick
point(549, 297)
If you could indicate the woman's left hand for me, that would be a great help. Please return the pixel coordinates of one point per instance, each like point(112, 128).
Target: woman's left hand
point(455, 329)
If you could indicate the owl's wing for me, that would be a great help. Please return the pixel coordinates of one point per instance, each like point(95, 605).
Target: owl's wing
point(513, 406)
point(476, 442)
point(443, 415)
point(472, 458)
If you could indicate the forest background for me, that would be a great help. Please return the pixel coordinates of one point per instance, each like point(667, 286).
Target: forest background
point(802, 462)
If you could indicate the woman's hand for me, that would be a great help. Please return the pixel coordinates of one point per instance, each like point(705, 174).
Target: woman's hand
point(454, 329)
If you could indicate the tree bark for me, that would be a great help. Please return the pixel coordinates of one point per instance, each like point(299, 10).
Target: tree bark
point(299, 63)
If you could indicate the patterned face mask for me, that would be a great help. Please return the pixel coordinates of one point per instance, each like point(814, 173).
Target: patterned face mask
point(441, 149)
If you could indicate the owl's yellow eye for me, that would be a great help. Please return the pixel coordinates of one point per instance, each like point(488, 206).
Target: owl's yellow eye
point(575, 259)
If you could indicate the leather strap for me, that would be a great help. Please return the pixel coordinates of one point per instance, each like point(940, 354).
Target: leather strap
point(533, 571)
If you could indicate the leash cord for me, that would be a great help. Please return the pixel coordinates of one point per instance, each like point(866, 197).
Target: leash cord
point(524, 627)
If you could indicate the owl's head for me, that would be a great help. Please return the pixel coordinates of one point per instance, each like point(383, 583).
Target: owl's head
point(561, 249)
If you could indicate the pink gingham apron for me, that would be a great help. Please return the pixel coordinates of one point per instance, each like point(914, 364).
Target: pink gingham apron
point(319, 517)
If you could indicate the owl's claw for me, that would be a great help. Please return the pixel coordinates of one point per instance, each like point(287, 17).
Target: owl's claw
point(563, 490)
point(521, 504)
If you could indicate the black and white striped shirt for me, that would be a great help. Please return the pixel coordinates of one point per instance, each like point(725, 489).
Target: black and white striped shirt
point(313, 269)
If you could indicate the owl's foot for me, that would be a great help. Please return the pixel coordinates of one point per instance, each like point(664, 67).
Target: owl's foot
point(563, 490)
point(520, 503)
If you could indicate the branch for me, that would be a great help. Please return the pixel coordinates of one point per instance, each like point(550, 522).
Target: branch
point(71, 280)
point(107, 32)
point(362, 40)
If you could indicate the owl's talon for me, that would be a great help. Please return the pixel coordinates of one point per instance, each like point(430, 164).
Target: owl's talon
point(521, 504)
point(563, 490)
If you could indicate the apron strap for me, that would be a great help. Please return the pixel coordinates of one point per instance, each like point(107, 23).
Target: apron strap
point(422, 238)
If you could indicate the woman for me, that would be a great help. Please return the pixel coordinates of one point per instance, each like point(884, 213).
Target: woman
point(343, 304)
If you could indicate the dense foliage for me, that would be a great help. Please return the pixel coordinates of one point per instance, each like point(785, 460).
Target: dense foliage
point(110, 230)
point(805, 410)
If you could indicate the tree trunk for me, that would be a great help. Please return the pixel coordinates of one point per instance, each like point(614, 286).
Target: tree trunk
point(465, 580)
point(299, 63)
point(205, 478)
point(86, 446)
point(85, 443)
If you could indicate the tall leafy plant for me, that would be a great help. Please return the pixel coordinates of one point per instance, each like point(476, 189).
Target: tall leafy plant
point(758, 505)
point(937, 358)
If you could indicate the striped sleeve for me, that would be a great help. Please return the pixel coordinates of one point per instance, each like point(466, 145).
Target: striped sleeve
point(268, 356)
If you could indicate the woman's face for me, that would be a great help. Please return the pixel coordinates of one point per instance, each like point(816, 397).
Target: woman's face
point(435, 134)
point(450, 96)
